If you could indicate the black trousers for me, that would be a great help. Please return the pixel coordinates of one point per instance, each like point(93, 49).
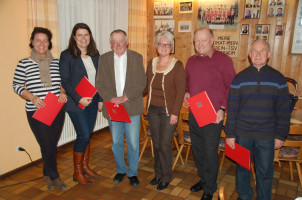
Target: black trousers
point(205, 150)
point(162, 134)
point(48, 137)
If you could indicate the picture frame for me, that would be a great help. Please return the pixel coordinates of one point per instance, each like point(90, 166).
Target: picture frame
point(186, 7)
point(275, 8)
point(218, 15)
point(262, 32)
point(173, 48)
point(163, 10)
point(279, 30)
point(296, 41)
point(245, 29)
point(184, 26)
point(252, 9)
point(164, 25)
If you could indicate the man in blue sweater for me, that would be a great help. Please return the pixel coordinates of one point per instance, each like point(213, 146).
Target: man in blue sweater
point(258, 119)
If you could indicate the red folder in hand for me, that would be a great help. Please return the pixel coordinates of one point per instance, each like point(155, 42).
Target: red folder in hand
point(49, 112)
point(117, 112)
point(202, 109)
point(85, 89)
point(240, 155)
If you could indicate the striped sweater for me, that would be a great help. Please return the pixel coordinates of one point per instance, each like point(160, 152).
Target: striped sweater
point(258, 105)
point(27, 77)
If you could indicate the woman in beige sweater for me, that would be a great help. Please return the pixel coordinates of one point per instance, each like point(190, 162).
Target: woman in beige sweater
point(166, 89)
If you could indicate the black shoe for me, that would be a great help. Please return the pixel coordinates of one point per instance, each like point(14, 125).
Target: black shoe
point(206, 196)
point(155, 181)
point(197, 187)
point(118, 177)
point(133, 180)
point(162, 185)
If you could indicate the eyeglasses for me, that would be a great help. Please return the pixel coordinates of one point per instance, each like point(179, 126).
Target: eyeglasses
point(164, 45)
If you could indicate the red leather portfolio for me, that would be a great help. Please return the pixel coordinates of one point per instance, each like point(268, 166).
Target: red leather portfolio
point(85, 89)
point(202, 109)
point(117, 112)
point(240, 155)
point(49, 112)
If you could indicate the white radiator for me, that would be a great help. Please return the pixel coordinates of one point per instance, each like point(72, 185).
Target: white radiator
point(69, 134)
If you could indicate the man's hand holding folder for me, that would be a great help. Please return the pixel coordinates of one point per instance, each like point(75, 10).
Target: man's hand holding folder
point(237, 153)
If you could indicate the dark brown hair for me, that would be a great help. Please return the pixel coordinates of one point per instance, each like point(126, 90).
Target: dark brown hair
point(74, 49)
point(41, 30)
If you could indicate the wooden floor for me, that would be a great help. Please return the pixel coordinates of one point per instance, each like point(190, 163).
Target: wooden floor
point(102, 161)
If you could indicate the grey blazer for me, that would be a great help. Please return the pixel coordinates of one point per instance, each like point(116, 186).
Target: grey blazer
point(134, 86)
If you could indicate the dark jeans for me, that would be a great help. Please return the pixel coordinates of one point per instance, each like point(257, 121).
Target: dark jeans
point(48, 137)
point(205, 150)
point(162, 134)
point(264, 166)
point(83, 123)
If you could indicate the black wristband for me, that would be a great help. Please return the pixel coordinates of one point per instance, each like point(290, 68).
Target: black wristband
point(221, 108)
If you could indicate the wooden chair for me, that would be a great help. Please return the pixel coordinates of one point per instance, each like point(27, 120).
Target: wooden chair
point(183, 137)
point(222, 193)
point(147, 137)
point(291, 151)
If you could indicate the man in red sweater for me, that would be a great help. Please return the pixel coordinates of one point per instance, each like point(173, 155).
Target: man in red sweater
point(211, 71)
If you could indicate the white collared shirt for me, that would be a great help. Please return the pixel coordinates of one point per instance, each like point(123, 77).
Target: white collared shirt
point(120, 69)
point(90, 69)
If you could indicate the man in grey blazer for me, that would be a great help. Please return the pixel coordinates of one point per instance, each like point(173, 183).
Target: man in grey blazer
point(121, 79)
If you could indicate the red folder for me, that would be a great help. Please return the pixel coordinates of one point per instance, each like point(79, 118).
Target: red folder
point(240, 155)
point(117, 112)
point(49, 112)
point(202, 109)
point(85, 89)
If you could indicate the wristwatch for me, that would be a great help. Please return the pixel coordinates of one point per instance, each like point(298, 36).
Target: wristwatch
point(221, 108)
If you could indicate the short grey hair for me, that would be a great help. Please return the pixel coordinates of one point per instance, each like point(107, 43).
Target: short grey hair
point(118, 31)
point(260, 40)
point(168, 35)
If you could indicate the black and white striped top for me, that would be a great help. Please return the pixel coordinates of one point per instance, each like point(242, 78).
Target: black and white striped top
point(27, 77)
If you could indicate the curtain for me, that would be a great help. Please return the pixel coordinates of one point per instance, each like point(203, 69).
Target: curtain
point(102, 16)
point(137, 26)
point(44, 13)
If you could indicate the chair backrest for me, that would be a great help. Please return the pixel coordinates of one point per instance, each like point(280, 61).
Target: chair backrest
point(183, 126)
point(295, 129)
point(222, 193)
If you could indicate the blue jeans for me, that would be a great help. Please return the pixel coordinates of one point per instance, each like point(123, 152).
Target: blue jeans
point(264, 166)
point(83, 123)
point(132, 132)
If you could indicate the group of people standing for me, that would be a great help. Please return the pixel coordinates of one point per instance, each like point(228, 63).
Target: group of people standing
point(255, 120)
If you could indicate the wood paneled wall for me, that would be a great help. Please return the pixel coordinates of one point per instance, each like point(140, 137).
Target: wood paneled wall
point(281, 59)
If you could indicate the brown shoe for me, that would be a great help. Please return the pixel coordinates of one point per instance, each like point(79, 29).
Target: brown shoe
point(78, 174)
point(49, 183)
point(86, 168)
point(59, 184)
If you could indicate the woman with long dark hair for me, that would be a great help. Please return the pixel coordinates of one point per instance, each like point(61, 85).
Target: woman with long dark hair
point(80, 60)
